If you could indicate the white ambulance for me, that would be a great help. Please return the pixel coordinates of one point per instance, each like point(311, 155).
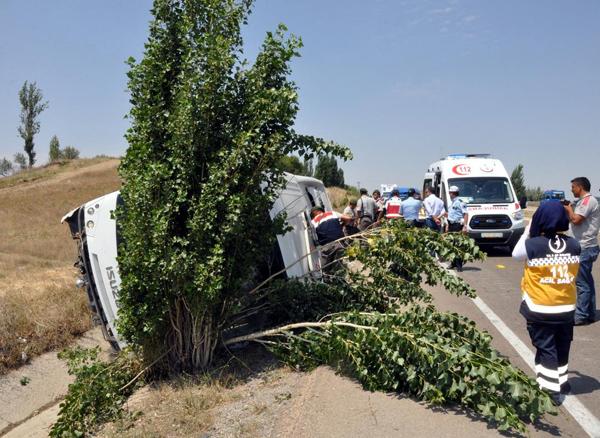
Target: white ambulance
point(94, 227)
point(495, 216)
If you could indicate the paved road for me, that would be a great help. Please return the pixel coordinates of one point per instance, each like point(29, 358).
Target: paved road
point(497, 281)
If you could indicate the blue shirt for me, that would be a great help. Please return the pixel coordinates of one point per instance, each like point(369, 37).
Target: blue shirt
point(457, 210)
point(410, 209)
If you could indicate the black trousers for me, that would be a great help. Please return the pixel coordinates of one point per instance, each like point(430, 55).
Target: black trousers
point(331, 255)
point(552, 343)
point(456, 227)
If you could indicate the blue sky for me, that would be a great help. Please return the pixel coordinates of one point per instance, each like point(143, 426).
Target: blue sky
point(400, 82)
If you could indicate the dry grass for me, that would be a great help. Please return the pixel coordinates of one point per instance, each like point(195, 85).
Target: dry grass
point(339, 197)
point(40, 309)
point(237, 399)
point(47, 171)
point(181, 408)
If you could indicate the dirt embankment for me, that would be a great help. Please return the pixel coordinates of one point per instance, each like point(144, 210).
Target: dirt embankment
point(40, 308)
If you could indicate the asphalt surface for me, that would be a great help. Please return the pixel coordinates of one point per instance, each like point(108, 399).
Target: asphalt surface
point(497, 282)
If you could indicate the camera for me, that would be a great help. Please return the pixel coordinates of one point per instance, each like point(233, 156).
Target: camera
point(565, 202)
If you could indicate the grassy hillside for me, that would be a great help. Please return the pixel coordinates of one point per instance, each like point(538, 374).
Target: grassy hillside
point(40, 308)
point(339, 197)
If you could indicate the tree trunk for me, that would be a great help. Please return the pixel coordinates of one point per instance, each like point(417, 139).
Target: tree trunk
point(192, 339)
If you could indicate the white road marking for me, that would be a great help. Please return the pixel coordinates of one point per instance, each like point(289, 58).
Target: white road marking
point(580, 413)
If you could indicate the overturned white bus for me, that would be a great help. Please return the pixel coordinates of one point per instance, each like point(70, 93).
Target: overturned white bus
point(96, 231)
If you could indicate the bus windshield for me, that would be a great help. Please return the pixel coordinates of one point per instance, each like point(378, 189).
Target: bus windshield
point(483, 190)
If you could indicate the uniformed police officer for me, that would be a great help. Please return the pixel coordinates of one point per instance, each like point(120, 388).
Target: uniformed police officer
point(458, 218)
point(392, 207)
point(329, 228)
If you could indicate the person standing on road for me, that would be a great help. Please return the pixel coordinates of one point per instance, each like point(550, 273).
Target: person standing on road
point(585, 224)
point(549, 294)
point(434, 210)
point(391, 208)
point(458, 218)
point(410, 209)
point(366, 210)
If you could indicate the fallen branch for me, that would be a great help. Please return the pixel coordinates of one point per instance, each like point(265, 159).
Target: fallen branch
point(281, 330)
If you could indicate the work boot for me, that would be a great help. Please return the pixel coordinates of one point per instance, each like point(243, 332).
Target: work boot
point(565, 388)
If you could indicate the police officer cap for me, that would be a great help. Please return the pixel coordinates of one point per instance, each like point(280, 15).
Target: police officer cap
point(453, 189)
point(411, 192)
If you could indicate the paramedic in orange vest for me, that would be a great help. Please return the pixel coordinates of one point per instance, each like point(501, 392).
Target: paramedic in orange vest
point(391, 208)
point(549, 294)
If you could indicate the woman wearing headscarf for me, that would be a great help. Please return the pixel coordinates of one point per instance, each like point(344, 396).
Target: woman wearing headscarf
point(549, 293)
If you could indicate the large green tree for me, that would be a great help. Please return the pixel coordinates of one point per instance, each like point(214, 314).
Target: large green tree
point(292, 164)
point(32, 105)
point(205, 145)
point(518, 181)
point(54, 152)
point(327, 171)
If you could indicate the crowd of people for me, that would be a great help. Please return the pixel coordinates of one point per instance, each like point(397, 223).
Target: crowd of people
point(558, 290)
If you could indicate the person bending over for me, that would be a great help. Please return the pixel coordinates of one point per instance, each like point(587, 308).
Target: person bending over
point(329, 228)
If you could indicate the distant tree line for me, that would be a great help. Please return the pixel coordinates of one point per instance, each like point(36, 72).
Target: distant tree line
point(32, 104)
point(326, 169)
point(58, 154)
point(517, 179)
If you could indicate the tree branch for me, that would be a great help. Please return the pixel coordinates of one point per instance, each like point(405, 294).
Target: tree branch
point(281, 330)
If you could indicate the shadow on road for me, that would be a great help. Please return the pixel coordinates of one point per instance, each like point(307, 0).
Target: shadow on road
point(497, 251)
point(539, 425)
point(471, 269)
point(582, 384)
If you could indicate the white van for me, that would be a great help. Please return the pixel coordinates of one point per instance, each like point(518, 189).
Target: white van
point(495, 216)
point(386, 190)
point(96, 231)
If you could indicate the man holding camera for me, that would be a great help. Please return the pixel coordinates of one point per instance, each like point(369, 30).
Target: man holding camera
point(585, 224)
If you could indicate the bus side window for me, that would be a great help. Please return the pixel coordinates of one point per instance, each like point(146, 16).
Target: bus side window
point(436, 184)
point(444, 195)
point(310, 198)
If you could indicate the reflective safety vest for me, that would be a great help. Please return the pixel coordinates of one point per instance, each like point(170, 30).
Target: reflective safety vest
point(548, 283)
point(392, 208)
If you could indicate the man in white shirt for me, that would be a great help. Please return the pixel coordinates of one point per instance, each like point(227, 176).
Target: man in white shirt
point(434, 210)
